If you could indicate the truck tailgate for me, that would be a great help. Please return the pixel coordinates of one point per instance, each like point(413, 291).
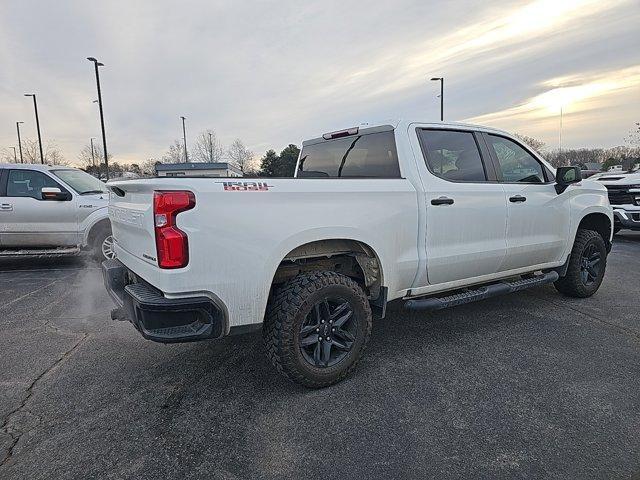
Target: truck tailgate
point(131, 214)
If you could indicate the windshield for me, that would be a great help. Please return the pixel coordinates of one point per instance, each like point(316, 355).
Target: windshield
point(80, 181)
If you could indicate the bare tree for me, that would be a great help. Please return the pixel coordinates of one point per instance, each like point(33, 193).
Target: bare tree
point(6, 156)
point(175, 154)
point(87, 158)
point(633, 138)
point(52, 154)
point(208, 148)
point(537, 145)
point(239, 154)
point(148, 168)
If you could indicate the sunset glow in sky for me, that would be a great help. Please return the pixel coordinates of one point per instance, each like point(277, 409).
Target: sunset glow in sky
point(273, 73)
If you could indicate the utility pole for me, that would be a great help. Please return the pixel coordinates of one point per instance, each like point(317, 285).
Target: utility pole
point(19, 141)
point(441, 80)
point(210, 147)
point(15, 156)
point(93, 155)
point(35, 107)
point(97, 64)
point(560, 134)
point(184, 136)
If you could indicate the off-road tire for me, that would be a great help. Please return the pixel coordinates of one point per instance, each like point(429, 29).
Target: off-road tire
point(572, 283)
point(287, 310)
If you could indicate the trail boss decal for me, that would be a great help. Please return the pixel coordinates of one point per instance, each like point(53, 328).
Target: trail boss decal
point(245, 186)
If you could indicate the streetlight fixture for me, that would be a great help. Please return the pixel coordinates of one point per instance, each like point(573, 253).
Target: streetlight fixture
point(15, 157)
point(35, 107)
point(441, 80)
point(19, 141)
point(97, 64)
point(184, 136)
point(93, 154)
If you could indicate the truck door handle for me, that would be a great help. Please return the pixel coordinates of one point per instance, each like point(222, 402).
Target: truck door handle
point(517, 198)
point(6, 207)
point(442, 201)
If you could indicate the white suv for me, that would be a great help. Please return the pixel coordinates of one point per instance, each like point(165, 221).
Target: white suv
point(52, 210)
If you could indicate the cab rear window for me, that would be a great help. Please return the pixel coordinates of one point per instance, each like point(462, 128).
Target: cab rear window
point(372, 155)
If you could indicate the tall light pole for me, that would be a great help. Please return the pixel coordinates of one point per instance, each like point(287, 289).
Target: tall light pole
point(15, 157)
point(35, 107)
point(210, 147)
point(441, 80)
point(93, 154)
point(560, 133)
point(184, 136)
point(19, 141)
point(97, 64)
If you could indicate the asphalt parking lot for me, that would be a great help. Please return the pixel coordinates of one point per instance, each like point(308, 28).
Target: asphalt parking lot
point(531, 385)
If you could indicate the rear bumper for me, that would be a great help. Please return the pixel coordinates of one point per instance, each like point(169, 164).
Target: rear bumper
point(627, 218)
point(158, 318)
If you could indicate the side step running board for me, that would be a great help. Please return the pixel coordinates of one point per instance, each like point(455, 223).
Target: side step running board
point(480, 293)
point(39, 252)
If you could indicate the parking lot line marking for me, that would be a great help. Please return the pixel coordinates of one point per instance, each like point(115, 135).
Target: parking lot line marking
point(32, 292)
point(73, 269)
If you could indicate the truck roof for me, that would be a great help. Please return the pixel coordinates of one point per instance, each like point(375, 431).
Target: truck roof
point(35, 166)
point(372, 127)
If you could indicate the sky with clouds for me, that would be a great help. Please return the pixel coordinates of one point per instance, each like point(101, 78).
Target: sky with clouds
point(276, 72)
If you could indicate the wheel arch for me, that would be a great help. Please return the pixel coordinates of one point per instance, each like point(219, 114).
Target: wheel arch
point(599, 222)
point(353, 258)
point(95, 229)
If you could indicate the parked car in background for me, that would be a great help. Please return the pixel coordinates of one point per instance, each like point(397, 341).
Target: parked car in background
point(623, 187)
point(47, 210)
point(589, 169)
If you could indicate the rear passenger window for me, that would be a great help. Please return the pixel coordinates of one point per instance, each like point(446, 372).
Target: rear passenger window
point(453, 155)
point(516, 165)
point(28, 183)
point(370, 156)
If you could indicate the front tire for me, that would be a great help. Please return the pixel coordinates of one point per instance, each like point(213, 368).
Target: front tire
point(316, 327)
point(587, 265)
point(102, 248)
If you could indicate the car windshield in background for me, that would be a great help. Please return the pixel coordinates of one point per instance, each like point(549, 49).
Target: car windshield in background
point(80, 181)
point(364, 156)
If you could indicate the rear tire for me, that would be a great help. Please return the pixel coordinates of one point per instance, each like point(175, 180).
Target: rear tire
point(587, 264)
point(316, 327)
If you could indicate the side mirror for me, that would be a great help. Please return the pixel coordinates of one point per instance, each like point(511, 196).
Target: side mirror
point(54, 193)
point(565, 176)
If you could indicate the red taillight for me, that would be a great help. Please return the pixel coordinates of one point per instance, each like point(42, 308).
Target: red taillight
point(172, 244)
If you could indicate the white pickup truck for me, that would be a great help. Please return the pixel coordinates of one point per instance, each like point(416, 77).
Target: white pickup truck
point(52, 210)
point(435, 214)
point(624, 195)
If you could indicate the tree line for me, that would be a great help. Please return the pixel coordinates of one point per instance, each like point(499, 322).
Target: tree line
point(208, 148)
point(606, 157)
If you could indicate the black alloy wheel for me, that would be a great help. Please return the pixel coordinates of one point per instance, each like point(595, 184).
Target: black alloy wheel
point(328, 332)
point(590, 264)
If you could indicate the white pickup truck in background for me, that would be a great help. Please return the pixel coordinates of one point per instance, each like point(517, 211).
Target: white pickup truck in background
point(623, 188)
point(52, 210)
point(435, 214)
